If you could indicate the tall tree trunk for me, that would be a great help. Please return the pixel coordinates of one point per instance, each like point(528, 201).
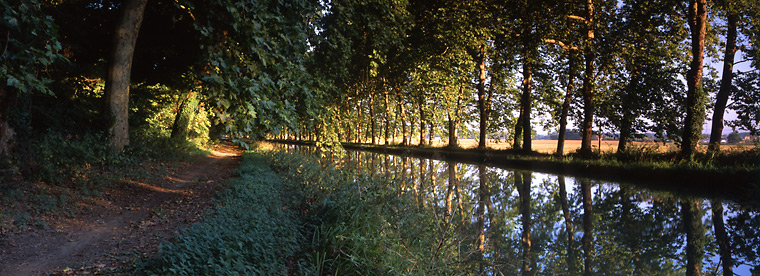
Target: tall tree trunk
point(8, 99)
point(588, 226)
point(359, 119)
point(404, 133)
point(726, 81)
point(566, 103)
point(431, 131)
point(525, 100)
point(626, 124)
point(523, 182)
point(696, 96)
point(695, 236)
point(422, 122)
point(119, 70)
point(517, 145)
point(454, 122)
point(588, 81)
point(387, 116)
point(482, 108)
point(372, 118)
point(724, 246)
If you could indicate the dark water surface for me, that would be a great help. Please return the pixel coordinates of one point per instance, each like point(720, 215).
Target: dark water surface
point(523, 221)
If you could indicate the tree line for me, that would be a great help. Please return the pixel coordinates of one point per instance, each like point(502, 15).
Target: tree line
point(375, 70)
point(404, 69)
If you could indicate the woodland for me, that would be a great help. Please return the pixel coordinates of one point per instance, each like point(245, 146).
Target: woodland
point(112, 72)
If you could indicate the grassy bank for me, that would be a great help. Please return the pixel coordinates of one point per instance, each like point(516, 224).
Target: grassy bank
point(249, 233)
point(289, 216)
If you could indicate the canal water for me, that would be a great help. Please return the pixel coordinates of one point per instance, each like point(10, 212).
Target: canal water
point(519, 221)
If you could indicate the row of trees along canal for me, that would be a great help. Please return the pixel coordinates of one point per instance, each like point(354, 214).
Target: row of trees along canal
point(401, 70)
point(372, 70)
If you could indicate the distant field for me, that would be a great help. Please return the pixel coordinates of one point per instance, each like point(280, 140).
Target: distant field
point(550, 146)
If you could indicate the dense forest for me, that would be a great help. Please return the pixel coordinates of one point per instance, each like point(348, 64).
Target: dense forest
point(112, 76)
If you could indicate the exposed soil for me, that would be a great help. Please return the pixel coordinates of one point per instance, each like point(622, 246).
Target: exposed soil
point(128, 222)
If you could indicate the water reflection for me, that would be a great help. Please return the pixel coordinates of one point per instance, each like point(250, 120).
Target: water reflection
point(527, 223)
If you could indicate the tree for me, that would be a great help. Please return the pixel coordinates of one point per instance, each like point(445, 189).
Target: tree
point(733, 137)
point(119, 70)
point(696, 96)
point(726, 84)
point(28, 45)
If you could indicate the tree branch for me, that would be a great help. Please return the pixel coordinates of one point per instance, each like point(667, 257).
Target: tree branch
point(577, 18)
point(559, 43)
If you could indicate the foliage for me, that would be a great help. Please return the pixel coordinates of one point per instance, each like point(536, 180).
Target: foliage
point(248, 234)
point(29, 44)
point(252, 55)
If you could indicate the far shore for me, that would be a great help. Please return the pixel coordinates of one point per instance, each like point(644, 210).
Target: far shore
point(571, 146)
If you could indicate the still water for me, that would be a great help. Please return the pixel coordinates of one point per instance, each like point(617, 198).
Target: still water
point(523, 221)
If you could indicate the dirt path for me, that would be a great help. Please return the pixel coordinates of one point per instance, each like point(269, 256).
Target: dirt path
point(129, 221)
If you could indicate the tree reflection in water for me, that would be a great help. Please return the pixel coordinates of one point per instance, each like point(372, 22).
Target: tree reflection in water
point(497, 221)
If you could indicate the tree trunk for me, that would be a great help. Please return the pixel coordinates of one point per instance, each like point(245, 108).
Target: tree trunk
point(400, 105)
point(724, 245)
point(566, 103)
point(359, 120)
point(523, 182)
point(387, 117)
point(422, 122)
point(526, 100)
point(482, 108)
point(372, 118)
point(431, 132)
point(695, 236)
point(588, 81)
point(725, 83)
point(588, 226)
point(626, 123)
point(696, 97)
point(119, 70)
point(454, 122)
point(8, 99)
point(517, 145)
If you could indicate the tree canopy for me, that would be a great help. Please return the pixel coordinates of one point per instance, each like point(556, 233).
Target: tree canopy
point(385, 71)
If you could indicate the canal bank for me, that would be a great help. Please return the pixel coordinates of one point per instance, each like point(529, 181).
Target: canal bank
point(735, 182)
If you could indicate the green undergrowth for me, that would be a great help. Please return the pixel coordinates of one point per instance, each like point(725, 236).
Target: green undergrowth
point(249, 233)
point(287, 215)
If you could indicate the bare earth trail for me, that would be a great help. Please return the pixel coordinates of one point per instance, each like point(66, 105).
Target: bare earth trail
point(128, 221)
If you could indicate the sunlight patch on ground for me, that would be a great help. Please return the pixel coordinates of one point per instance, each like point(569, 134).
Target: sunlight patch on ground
point(161, 189)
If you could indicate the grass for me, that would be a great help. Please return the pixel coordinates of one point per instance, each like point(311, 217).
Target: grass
point(287, 215)
point(250, 233)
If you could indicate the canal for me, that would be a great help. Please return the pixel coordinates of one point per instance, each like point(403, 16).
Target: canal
point(506, 222)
